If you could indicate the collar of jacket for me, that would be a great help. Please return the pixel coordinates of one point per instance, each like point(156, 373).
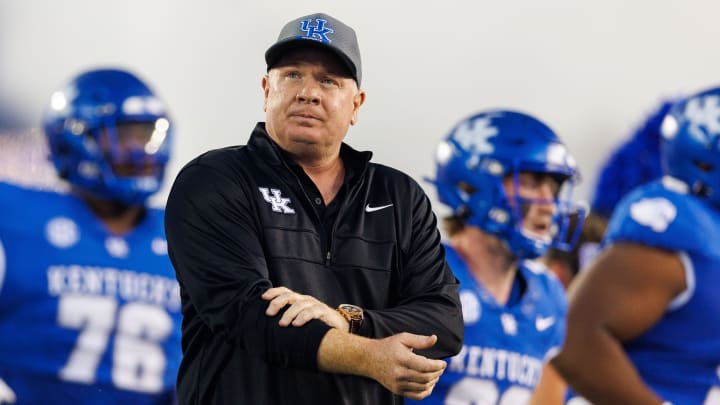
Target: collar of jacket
point(261, 143)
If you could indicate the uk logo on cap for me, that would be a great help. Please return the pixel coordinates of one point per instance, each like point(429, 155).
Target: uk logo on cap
point(317, 32)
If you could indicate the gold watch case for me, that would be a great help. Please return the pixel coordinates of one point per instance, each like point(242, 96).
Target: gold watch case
point(353, 314)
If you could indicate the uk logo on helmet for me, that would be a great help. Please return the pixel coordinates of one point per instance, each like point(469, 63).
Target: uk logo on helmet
point(318, 32)
point(473, 135)
point(704, 113)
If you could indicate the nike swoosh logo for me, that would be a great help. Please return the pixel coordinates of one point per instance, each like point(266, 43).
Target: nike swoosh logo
point(368, 208)
point(542, 324)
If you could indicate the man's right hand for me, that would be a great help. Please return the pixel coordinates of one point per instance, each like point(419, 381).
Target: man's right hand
point(389, 361)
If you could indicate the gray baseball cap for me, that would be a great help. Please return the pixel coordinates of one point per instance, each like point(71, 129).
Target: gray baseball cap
point(323, 30)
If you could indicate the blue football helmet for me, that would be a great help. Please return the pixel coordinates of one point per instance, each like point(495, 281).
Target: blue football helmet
point(85, 124)
point(485, 148)
point(690, 146)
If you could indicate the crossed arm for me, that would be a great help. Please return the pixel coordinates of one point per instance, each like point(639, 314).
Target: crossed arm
point(389, 361)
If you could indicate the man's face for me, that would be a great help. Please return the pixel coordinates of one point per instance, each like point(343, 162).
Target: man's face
point(310, 102)
point(537, 193)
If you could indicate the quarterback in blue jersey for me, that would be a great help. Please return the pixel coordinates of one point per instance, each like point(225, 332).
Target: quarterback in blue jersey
point(89, 305)
point(507, 178)
point(644, 319)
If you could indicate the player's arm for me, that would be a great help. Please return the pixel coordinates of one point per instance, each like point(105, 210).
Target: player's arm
point(624, 293)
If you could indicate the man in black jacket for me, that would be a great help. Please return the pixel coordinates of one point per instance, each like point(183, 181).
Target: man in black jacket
point(308, 274)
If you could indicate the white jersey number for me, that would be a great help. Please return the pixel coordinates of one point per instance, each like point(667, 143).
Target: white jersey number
point(138, 360)
point(476, 391)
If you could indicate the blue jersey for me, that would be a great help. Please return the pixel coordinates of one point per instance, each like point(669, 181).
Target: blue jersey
point(505, 346)
point(679, 357)
point(85, 316)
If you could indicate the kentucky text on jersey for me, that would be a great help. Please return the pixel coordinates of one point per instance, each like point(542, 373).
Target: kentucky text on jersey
point(497, 364)
point(126, 284)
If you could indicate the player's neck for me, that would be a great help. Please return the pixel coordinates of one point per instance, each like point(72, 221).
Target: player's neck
point(488, 260)
point(117, 217)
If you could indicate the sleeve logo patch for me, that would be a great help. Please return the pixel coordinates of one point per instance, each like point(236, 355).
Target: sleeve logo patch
point(655, 213)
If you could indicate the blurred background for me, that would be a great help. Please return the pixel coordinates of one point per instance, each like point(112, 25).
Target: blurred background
point(592, 70)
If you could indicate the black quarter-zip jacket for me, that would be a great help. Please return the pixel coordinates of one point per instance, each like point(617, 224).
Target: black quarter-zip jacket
point(240, 220)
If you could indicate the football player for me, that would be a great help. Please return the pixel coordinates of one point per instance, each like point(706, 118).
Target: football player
point(634, 162)
point(507, 178)
point(644, 318)
point(89, 304)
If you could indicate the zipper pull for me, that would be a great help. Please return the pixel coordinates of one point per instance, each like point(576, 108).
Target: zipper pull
point(327, 258)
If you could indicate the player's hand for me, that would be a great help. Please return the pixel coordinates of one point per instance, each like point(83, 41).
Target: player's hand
point(302, 309)
point(394, 365)
point(7, 396)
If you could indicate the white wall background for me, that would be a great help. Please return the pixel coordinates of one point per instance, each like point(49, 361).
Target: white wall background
point(591, 69)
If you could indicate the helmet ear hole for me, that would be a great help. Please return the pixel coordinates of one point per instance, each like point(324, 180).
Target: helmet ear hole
point(703, 166)
point(466, 187)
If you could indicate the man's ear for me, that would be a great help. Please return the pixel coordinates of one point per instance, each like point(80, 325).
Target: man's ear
point(265, 83)
point(358, 101)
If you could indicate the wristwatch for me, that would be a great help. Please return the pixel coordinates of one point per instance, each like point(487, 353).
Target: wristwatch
point(353, 314)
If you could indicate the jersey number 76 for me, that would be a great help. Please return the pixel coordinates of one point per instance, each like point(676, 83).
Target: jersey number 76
point(138, 361)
